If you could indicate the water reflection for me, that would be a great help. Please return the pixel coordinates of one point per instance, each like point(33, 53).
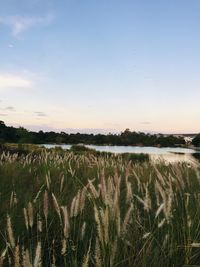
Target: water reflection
point(168, 154)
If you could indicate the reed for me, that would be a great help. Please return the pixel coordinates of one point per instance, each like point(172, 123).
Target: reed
point(71, 209)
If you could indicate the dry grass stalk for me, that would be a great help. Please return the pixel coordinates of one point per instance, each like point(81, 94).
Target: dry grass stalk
point(37, 259)
point(26, 259)
point(45, 205)
point(66, 221)
point(93, 190)
point(77, 203)
point(10, 232)
point(83, 230)
point(26, 217)
point(72, 207)
point(98, 261)
point(30, 214)
point(56, 206)
point(17, 256)
point(87, 257)
point(127, 218)
point(64, 246)
point(104, 215)
point(39, 223)
point(99, 226)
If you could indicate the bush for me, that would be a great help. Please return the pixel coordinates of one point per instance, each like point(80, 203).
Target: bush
point(135, 157)
point(196, 141)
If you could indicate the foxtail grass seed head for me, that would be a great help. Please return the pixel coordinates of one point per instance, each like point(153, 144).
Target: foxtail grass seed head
point(45, 205)
point(30, 214)
point(26, 218)
point(56, 206)
point(37, 259)
point(65, 221)
point(10, 232)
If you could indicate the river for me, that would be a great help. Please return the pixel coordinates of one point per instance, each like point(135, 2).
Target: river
point(168, 154)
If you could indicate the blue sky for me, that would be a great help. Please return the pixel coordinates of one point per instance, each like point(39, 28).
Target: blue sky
point(100, 65)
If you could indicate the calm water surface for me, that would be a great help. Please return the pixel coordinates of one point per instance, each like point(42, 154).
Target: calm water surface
point(169, 154)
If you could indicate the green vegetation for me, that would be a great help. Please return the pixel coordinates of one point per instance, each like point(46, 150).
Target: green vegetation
point(21, 135)
point(196, 141)
point(62, 208)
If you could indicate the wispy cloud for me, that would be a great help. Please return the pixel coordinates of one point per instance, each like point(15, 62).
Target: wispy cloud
point(14, 81)
point(20, 24)
point(145, 122)
point(9, 108)
point(40, 114)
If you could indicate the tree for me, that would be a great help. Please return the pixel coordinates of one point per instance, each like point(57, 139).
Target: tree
point(196, 141)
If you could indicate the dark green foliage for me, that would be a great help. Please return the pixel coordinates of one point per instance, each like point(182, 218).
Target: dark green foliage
point(127, 138)
point(135, 157)
point(80, 148)
point(196, 141)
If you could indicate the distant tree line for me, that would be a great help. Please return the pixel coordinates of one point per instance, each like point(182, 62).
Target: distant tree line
point(11, 134)
point(196, 141)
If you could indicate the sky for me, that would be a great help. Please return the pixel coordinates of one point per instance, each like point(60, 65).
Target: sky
point(100, 65)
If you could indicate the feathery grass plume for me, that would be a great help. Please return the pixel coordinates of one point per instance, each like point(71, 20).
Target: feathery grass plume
point(118, 223)
point(17, 256)
point(11, 199)
point(127, 218)
point(77, 203)
point(62, 183)
point(93, 190)
point(87, 257)
point(147, 200)
point(37, 259)
point(56, 206)
point(45, 205)
point(104, 215)
point(26, 217)
point(160, 191)
point(160, 208)
point(110, 187)
point(117, 181)
point(30, 214)
point(127, 170)
point(48, 180)
point(168, 205)
point(129, 193)
point(137, 178)
point(2, 256)
point(166, 239)
point(103, 185)
point(195, 245)
point(113, 252)
point(39, 223)
point(72, 207)
point(10, 232)
point(64, 246)
point(65, 221)
point(38, 194)
point(82, 198)
point(115, 204)
point(97, 256)
point(72, 172)
point(99, 226)
point(160, 224)
point(83, 230)
point(146, 235)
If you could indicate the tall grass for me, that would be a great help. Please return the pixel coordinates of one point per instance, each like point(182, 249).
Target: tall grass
point(65, 209)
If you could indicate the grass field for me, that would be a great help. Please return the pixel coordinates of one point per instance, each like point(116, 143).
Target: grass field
point(83, 209)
